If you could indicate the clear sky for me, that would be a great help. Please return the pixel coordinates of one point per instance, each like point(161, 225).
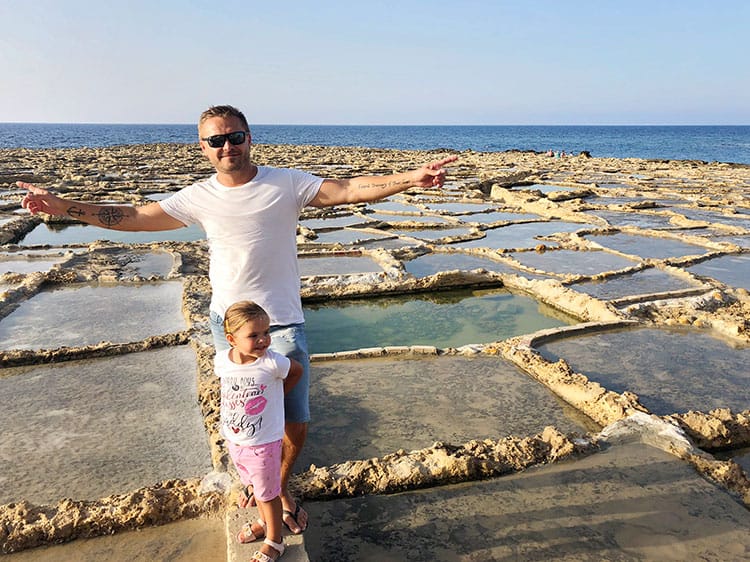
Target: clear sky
point(491, 62)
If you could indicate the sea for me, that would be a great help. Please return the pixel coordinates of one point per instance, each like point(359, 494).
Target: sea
point(724, 143)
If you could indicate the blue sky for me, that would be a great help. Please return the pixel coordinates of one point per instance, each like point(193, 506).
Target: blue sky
point(391, 62)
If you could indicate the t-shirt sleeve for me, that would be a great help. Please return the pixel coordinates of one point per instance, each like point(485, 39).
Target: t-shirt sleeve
point(221, 362)
point(282, 363)
point(177, 206)
point(306, 187)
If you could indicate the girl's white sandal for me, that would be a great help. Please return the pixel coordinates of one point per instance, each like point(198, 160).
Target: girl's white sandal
point(260, 557)
point(246, 534)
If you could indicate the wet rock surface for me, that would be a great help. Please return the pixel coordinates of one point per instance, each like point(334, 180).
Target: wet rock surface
point(666, 216)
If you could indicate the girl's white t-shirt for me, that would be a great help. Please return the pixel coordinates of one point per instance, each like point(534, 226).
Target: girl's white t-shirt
point(252, 398)
point(251, 231)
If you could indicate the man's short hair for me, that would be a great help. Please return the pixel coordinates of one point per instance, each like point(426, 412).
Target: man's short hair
point(223, 111)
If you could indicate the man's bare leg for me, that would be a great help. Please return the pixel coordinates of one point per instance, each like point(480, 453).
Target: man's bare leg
point(295, 435)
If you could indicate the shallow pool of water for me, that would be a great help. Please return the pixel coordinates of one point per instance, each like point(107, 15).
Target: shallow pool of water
point(337, 221)
point(670, 370)
point(496, 216)
point(442, 319)
point(396, 219)
point(16, 263)
point(526, 235)
point(348, 236)
point(395, 206)
point(624, 503)
point(715, 217)
point(432, 234)
point(429, 264)
point(647, 246)
point(78, 315)
point(458, 207)
point(369, 408)
point(573, 262)
point(85, 234)
point(639, 220)
point(88, 429)
point(644, 282)
point(339, 265)
point(733, 270)
point(385, 243)
point(149, 263)
point(193, 540)
point(743, 241)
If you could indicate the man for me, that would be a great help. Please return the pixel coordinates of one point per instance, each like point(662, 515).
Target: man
point(249, 214)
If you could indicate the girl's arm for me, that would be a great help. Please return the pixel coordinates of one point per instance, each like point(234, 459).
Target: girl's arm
point(293, 376)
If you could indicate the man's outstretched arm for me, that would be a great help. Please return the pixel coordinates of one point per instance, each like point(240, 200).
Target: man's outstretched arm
point(371, 188)
point(149, 217)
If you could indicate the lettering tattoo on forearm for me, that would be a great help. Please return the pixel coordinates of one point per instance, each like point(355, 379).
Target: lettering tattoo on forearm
point(385, 184)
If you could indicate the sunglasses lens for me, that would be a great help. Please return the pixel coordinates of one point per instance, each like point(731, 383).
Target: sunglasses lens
point(216, 141)
point(238, 137)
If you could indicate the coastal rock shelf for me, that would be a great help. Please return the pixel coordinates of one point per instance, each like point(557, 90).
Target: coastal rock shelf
point(586, 310)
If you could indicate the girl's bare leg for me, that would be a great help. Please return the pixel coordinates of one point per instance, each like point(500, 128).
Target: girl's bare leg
point(270, 512)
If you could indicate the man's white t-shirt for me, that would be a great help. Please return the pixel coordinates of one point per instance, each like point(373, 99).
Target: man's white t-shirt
point(251, 231)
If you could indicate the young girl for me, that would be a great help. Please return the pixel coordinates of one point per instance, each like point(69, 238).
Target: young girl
point(254, 380)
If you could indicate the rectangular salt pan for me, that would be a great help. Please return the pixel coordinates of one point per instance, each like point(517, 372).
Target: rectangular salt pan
point(75, 316)
point(646, 282)
point(85, 234)
point(672, 371)
point(373, 407)
point(574, 262)
point(88, 429)
point(647, 246)
point(340, 265)
point(443, 319)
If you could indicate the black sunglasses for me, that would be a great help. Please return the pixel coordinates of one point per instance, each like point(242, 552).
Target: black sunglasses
point(217, 141)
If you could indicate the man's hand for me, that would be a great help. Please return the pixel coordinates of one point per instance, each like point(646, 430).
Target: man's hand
point(149, 217)
point(38, 200)
point(372, 188)
point(432, 174)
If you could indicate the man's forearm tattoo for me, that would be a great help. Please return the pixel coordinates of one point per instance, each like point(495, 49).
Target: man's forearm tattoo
point(75, 212)
point(110, 216)
point(385, 184)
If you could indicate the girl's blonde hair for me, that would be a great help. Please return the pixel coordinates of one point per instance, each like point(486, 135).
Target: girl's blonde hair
point(240, 313)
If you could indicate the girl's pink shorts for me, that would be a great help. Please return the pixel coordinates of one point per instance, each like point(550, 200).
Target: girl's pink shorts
point(260, 467)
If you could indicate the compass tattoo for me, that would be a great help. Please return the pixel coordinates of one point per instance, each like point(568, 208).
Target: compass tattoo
point(110, 216)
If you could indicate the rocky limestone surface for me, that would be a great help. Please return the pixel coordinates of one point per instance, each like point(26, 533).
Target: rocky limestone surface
point(712, 213)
